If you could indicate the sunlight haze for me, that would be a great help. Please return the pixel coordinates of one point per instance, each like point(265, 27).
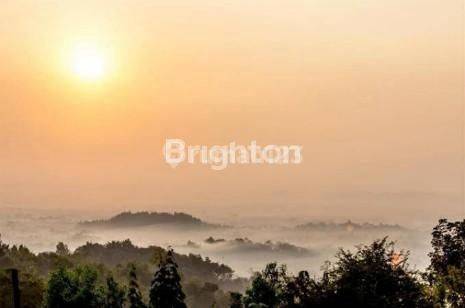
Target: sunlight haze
point(372, 90)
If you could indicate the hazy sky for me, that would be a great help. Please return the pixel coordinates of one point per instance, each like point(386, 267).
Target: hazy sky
point(373, 90)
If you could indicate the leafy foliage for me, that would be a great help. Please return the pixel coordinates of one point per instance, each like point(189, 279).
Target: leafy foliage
point(115, 295)
point(372, 276)
point(236, 300)
point(447, 269)
point(62, 249)
point(73, 289)
point(32, 290)
point(115, 258)
point(267, 286)
point(134, 294)
point(166, 290)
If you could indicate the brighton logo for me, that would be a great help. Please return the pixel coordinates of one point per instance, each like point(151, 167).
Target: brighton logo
point(219, 157)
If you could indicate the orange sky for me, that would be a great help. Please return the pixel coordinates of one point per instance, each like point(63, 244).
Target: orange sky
point(373, 90)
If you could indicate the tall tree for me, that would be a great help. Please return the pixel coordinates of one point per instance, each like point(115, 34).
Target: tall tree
point(236, 300)
point(267, 286)
point(166, 290)
point(447, 269)
point(114, 294)
point(62, 249)
point(134, 294)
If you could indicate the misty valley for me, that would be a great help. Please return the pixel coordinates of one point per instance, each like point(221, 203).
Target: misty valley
point(246, 247)
point(218, 262)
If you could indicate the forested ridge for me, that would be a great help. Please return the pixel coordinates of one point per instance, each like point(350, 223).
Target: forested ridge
point(139, 219)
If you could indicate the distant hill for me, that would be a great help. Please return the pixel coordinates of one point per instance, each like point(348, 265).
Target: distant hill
point(245, 245)
point(348, 227)
point(139, 219)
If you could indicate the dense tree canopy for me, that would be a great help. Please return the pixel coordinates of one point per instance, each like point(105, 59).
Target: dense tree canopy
point(74, 289)
point(115, 295)
point(447, 269)
point(372, 276)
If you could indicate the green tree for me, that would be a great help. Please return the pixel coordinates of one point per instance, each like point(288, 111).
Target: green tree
point(62, 249)
point(74, 289)
point(267, 287)
point(236, 300)
point(166, 290)
point(115, 295)
point(374, 276)
point(300, 291)
point(134, 294)
point(447, 268)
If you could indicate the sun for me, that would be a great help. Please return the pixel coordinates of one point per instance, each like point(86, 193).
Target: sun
point(88, 62)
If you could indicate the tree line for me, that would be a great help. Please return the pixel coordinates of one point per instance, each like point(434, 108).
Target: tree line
point(78, 288)
point(374, 275)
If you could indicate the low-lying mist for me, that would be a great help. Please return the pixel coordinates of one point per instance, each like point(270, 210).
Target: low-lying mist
point(245, 247)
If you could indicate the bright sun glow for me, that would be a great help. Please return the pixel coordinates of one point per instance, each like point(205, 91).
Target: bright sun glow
point(88, 62)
